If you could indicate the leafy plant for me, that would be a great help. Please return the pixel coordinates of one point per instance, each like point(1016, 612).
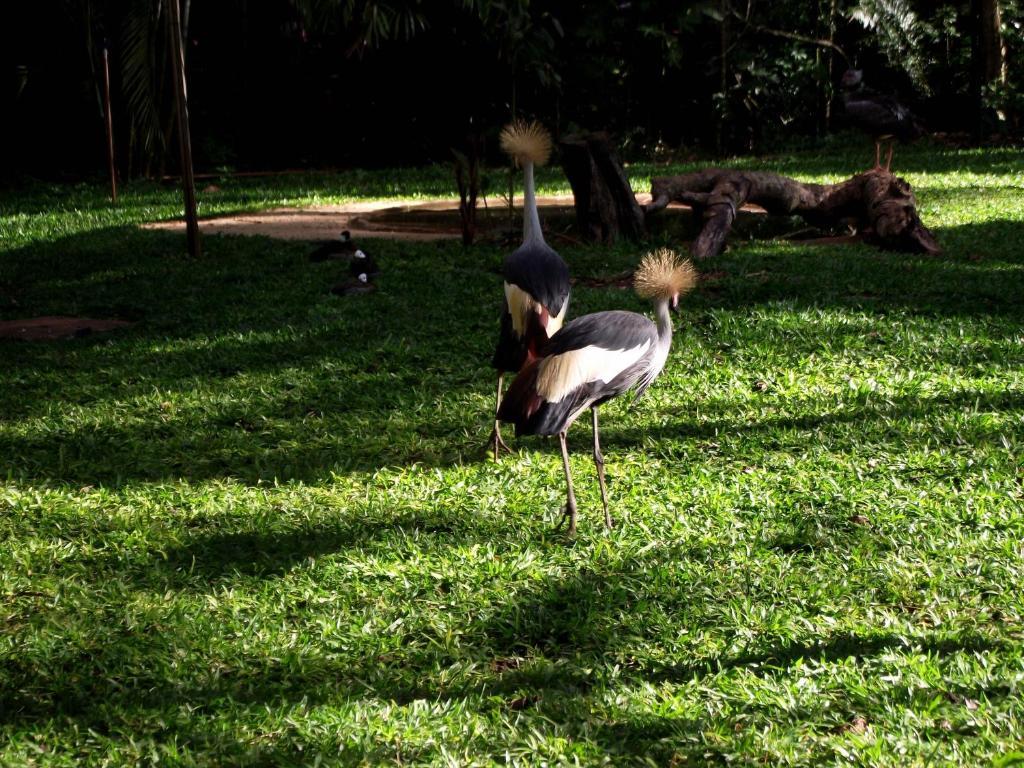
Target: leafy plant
point(899, 33)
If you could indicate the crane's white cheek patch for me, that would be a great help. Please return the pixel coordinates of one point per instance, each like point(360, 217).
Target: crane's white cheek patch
point(555, 322)
point(561, 374)
point(520, 305)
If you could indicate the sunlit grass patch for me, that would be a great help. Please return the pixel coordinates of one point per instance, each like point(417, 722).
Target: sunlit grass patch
point(259, 528)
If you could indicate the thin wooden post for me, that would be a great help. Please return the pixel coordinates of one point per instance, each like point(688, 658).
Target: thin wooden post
point(188, 183)
point(110, 122)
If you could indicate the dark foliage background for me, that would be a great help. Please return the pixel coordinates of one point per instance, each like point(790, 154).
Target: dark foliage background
point(314, 83)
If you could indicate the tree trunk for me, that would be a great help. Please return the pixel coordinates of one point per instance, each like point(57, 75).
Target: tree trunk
point(881, 205)
point(723, 77)
point(606, 209)
point(467, 180)
point(188, 183)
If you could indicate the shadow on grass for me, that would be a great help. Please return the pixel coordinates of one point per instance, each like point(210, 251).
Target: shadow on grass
point(210, 558)
point(538, 657)
point(881, 418)
point(258, 371)
point(244, 367)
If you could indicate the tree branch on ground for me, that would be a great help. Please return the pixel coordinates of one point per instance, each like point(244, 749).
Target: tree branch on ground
point(879, 204)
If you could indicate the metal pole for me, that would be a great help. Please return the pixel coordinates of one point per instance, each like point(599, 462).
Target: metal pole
point(110, 123)
point(188, 183)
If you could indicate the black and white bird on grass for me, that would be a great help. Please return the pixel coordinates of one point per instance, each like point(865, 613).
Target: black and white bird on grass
point(354, 286)
point(342, 247)
point(536, 277)
point(877, 114)
point(362, 264)
point(595, 358)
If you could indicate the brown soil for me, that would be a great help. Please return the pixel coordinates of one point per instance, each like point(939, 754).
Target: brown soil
point(404, 220)
point(429, 220)
point(56, 327)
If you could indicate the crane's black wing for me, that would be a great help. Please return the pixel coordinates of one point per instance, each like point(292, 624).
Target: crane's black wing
point(880, 115)
point(614, 329)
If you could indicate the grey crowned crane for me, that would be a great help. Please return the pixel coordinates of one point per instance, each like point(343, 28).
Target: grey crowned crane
point(877, 114)
point(536, 277)
point(595, 358)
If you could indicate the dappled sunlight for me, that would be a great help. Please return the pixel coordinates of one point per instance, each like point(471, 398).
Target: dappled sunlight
point(262, 516)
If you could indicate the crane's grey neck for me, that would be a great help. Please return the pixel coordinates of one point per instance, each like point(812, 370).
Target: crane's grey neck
point(664, 323)
point(531, 219)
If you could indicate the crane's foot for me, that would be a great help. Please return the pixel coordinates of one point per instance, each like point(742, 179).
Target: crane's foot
point(496, 446)
point(570, 515)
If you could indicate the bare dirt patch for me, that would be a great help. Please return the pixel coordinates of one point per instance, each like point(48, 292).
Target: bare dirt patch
point(404, 220)
point(54, 327)
point(424, 220)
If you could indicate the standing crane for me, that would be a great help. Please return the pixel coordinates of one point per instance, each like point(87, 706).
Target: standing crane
point(536, 277)
point(595, 358)
point(878, 114)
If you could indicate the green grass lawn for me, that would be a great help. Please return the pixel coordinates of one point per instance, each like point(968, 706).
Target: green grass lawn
point(259, 527)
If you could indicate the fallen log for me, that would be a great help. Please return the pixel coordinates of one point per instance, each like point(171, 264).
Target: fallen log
point(880, 205)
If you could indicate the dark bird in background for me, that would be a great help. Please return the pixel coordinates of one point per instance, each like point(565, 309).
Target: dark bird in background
point(361, 267)
point(354, 286)
point(877, 114)
point(340, 248)
point(362, 264)
point(536, 278)
point(595, 358)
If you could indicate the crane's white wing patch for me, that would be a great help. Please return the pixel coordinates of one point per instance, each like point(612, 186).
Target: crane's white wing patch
point(561, 374)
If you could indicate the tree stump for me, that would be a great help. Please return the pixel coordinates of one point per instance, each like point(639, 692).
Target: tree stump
point(467, 179)
point(606, 209)
point(879, 204)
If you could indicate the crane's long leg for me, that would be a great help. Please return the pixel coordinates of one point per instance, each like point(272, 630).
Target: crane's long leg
point(570, 497)
point(878, 154)
point(599, 463)
point(888, 159)
point(496, 442)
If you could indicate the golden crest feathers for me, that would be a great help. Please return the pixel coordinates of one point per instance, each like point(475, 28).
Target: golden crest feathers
point(526, 142)
point(663, 274)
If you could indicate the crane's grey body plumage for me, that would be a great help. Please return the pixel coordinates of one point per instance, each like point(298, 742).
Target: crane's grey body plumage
point(593, 359)
point(629, 339)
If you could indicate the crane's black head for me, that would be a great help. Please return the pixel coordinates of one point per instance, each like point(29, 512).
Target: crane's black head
point(346, 236)
point(852, 78)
